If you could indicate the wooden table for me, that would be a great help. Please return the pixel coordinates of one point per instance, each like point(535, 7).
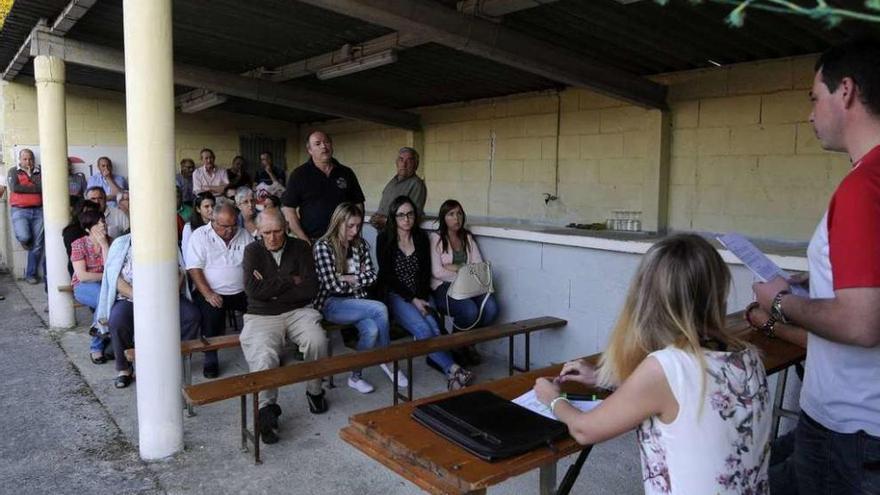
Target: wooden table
point(437, 466)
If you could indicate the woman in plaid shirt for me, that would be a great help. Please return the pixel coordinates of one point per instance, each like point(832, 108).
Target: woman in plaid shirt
point(345, 270)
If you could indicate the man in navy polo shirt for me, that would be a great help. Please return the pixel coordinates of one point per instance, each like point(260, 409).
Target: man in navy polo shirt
point(317, 187)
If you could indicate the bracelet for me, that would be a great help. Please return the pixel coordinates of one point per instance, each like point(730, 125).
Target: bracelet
point(767, 328)
point(554, 401)
point(748, 313)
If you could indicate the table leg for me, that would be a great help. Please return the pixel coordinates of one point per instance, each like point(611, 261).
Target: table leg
point(547, 479)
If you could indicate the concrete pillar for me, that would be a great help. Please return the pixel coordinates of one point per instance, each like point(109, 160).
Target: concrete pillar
point(52, 115)
point(149, 98)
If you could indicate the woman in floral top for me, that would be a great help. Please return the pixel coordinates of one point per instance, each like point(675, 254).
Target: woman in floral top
point(698, 397)
point(87, 255)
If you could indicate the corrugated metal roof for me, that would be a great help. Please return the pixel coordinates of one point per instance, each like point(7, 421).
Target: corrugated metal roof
point(642, 37)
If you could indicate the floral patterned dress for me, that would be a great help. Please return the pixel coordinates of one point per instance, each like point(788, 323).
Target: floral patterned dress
point(720, 441)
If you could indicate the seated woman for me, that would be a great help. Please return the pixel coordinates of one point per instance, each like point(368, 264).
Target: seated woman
point(345, 271)
point(87, 255)
point(405, 277)
point(451, 247)
point(203, 211)
point(697, 396)
point(247, 206)
point(116, 308)
point(74, 230)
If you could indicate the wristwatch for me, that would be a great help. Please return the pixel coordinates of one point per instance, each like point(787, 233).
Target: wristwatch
point(776, 307)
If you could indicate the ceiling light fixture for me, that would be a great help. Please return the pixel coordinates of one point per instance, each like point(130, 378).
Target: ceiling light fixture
point(359, 64)
point(201, 100)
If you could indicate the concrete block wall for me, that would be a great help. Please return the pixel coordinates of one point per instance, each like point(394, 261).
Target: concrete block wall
point(97, 118)
point(744, 156)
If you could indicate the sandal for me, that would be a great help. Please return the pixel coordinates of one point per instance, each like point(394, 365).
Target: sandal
point(97, 357)
point(122, 381)
point(460, 379)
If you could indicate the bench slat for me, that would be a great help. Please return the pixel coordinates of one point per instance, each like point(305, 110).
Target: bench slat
point(234, 386)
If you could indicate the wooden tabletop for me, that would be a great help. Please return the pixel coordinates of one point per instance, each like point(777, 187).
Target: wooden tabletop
point(437, 466)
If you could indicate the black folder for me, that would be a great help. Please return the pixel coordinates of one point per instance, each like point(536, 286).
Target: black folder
point(488, 426)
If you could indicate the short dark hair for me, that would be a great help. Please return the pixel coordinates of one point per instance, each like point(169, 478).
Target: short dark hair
point(96, 188)
point(858, 59)
point(313, 132)
point(267, 153)
point(209, 150)
point(89, 218)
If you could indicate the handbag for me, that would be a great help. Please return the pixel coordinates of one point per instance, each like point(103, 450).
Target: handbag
point(473, 279)
point(487, 425)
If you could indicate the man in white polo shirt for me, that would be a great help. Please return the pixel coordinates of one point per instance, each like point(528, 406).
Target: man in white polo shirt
point(837, 440)
point(214, 257)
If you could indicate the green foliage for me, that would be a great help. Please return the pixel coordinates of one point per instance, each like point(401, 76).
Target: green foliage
point(821, 11)
point(5, 7)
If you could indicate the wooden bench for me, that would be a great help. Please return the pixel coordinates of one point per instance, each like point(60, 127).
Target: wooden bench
point(205, 344)
point(253, 383)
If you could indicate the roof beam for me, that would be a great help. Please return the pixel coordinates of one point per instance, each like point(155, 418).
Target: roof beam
point(73, 12)
point(398, 40)
point(100, 57)
point(498, 43)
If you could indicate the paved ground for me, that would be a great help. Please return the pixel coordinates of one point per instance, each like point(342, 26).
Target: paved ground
point(65, 429)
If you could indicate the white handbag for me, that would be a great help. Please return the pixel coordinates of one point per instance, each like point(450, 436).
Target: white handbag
point(473, 279)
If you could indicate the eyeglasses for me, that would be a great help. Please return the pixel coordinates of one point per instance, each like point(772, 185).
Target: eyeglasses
point(408, 215)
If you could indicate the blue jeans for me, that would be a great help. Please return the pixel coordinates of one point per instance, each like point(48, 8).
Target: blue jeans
point(830, 463)
point(27, 224)
point(368, 316)
point(87, 294)
point(465, 312)
point(420, 326)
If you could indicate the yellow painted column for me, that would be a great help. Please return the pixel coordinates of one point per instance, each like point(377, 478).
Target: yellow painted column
point(149, 98)
point(52, 116)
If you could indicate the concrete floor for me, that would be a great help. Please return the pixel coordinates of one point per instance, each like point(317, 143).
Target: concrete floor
point(66, 429)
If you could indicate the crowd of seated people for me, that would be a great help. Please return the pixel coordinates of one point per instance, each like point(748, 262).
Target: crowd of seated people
point(237, 253)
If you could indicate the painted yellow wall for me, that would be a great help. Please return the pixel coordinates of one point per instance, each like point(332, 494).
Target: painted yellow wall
point(743, 154)
point(96, 117)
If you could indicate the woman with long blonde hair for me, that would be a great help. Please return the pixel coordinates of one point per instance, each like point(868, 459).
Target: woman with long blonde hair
point(697, 396)
point(345, 271)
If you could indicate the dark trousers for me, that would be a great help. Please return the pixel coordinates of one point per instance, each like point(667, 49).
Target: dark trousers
point(214, 319)
point(121, 323)
point(825, 462)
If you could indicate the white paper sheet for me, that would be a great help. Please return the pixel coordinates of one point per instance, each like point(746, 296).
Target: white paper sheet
point(530, 401)
point(756, 261)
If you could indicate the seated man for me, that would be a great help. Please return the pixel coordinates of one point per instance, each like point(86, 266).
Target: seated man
point(117, 221)
point(280, 283)
point(112, 184)
point(214, 255)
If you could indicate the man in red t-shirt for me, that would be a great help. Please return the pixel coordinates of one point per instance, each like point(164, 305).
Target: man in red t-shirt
point(837, 440)
point(26, 201)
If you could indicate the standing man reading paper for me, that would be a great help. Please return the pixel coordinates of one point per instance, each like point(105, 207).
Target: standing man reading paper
point(837, 441)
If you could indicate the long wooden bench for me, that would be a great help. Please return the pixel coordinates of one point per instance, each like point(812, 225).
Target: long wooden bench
point(253, 383)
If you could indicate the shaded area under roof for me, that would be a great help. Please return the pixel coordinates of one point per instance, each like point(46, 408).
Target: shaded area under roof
point(643, 38)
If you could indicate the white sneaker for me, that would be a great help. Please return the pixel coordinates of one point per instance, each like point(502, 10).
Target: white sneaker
point(360, 384)
point(402, 382)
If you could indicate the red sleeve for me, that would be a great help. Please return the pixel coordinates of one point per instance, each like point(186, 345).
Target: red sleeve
point(78, 250)
point(854, 231)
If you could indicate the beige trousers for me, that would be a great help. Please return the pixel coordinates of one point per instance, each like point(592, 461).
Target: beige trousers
point(264, 336)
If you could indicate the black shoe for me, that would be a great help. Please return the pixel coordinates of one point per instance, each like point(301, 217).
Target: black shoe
point(473, 356)
point(460, 357)
point(97, 359)
point(109, 355)
point(433, 364)
point(211, 371)
point(268, 418)
point(122, 381)
point(276, 411)
point(317, 403)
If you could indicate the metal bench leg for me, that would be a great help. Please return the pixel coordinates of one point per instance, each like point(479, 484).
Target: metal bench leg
point(256, 401)
point(778, 397)
point(187, 380)
point(510, 356)
point(409, 375)
point(330, 382)
point(547, 479)
point(244, 431)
